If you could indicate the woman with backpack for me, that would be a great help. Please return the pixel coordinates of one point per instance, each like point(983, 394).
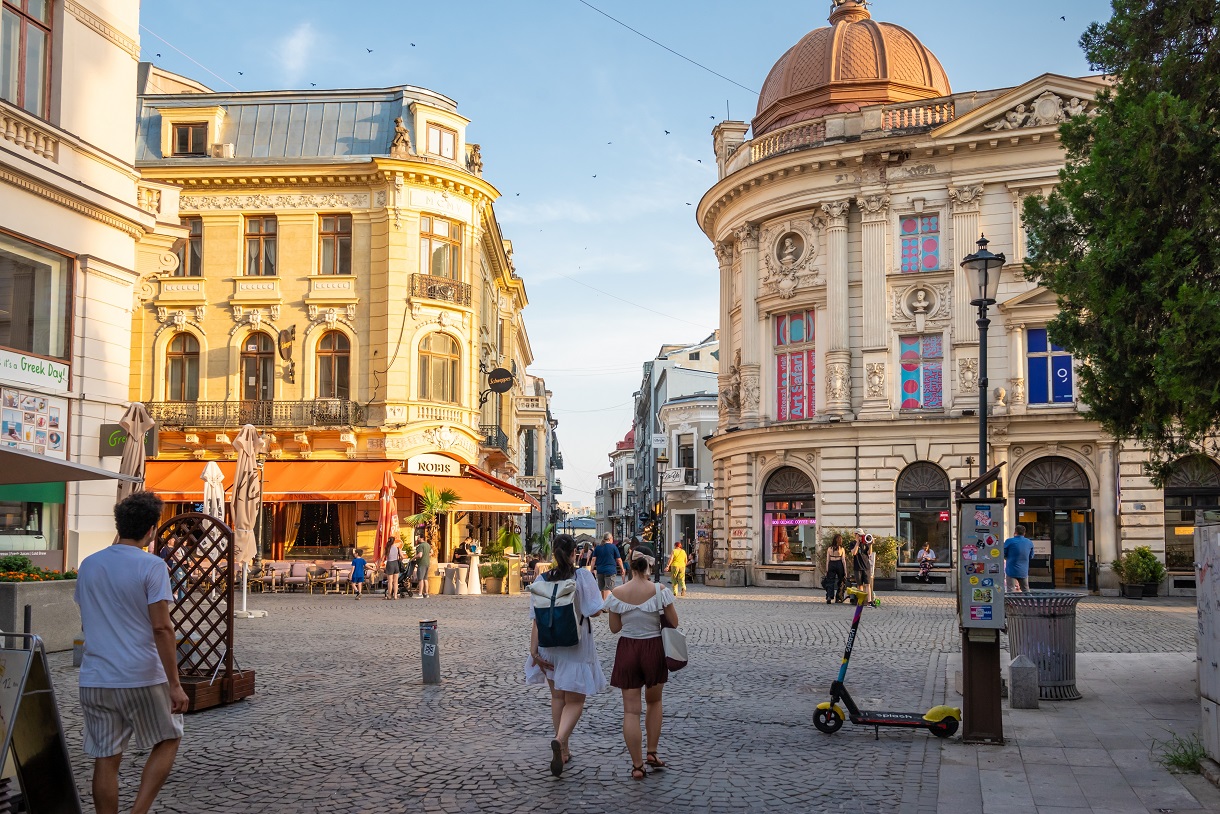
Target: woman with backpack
point(635, 611)
point(563, 654)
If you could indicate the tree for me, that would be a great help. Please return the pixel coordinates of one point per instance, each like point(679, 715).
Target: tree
point(434, 504)
point(1131, 238)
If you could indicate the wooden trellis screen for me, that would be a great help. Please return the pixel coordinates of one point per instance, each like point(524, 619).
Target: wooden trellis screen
point(201, 567)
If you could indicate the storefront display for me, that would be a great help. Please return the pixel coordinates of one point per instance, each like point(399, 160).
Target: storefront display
point(790, 533)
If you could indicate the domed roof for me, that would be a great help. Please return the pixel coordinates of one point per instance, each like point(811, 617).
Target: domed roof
point(856, 61)
point(628, 441)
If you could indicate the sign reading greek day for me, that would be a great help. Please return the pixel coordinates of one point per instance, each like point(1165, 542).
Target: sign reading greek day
point(31, 370)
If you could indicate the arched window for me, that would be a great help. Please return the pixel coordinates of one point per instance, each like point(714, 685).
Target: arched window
point(790, 529)
point(922, 499)
point(334, 366)
point(1054, 504)
point(1193, 486)
point(182, 369)
point(438, 369)
point(258, 367)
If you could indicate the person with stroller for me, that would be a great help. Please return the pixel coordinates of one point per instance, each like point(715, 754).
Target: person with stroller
point(836, 569)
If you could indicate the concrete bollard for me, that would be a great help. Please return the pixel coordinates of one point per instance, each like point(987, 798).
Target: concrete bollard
point(429, 651)
point(1022, 684)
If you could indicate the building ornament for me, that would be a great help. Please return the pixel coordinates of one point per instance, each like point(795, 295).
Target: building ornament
point(998, 430)
point(724, 253)
point(747, 237)
point(916, 171)
point(921, 304)
point(135, 231)
point(791, 247)
point(837, 381)
point(1018, 391)
point(966, 199)
point(749, 391)
point(109, 32)
point(474, 160)
point(150, 199)
point(379, 198)
point(730, 394)
point(400, 144)
point(1046, 109)
point(333, 200)
point(1001, 397)
point(873, 207)
point(836, 213)
point(874, 379)
point(967, 374)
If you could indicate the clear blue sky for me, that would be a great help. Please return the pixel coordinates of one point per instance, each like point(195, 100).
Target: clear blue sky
point(558, 94)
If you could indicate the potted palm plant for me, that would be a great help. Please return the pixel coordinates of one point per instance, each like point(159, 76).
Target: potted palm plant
point(433, 504)
point(1132, 574)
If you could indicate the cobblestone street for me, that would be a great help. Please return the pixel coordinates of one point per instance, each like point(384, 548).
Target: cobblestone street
point(341, 722)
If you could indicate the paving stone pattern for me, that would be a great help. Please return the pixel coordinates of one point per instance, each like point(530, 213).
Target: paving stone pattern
point(341, 722)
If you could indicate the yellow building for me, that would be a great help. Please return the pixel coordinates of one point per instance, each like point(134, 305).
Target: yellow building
point(345, 288)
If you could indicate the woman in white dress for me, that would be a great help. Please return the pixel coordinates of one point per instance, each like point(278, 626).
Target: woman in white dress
point(572, 673)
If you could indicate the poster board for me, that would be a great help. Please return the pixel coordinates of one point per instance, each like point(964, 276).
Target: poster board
point(34, 423)
point(981, 563)
point(703, 537)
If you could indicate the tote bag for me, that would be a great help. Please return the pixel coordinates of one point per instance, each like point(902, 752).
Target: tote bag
point(674, 642)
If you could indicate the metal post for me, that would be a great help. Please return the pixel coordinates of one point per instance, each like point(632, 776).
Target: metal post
point(983, 322)
point(28, 620)
point(429, 651)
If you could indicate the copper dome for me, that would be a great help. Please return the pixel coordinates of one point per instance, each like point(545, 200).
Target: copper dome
point(853, 62)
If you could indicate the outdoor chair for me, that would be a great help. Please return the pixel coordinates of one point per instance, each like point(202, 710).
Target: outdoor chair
point(273, 576)
point(339, 581)
point(318, 576)
point(298, 575)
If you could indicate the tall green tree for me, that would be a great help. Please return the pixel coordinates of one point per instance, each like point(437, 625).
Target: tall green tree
point(1130, 239)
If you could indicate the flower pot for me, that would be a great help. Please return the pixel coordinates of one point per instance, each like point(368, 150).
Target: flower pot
point(1133, 591)
point(435, 583)
point(1151, 588)
point(493, 585)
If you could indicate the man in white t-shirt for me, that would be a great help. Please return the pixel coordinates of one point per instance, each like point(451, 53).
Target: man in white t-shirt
point(129, 675)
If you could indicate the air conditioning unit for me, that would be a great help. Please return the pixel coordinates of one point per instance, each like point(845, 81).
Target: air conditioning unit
point(222, 150)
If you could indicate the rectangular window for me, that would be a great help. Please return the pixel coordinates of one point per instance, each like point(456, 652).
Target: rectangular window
point(795, 366)
point(921, 359)
point(33, 299)
point(260, 247)
point(1050, 370)
point(191, 139)
point(920, 243)
point(530, 454)
point(442, 141)
point(335, 250)
point(25, 54)
point(190, 250)
point(440, 249)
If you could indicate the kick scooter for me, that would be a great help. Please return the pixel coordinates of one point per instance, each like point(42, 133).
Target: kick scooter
point(941, 721)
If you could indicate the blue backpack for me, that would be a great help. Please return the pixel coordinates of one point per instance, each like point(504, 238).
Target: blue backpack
point(555, 612)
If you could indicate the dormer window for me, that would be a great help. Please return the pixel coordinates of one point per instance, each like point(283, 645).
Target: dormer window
point(442, 141)
point(191, 138)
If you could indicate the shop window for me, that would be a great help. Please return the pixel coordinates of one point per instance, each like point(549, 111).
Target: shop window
point(1054, 505)
point(335, 244)
point(334, 366)
point(190, 249)
point(440, 251)
point(30, 519)
point(790, 531)
point(1050, 370)
point(261, 247)
point(921, 359)
point(442, 141)
point(258, 367)
point(920, 235)
point(191, 139)
point(1192, 488)
point(795, 366)
point(438, 369)
point(33, 299)
point(922, 498)
point(182, 369)
point(25, 54)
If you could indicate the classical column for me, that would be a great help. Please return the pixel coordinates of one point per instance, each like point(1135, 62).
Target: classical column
point(838, 348)
point(729, 387)
point(1016, 381)
point(751, 328)
point(965, 234)
point(1106, 514)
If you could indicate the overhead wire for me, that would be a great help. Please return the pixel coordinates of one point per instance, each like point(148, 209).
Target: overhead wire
point(191, 58)
point(636, 304)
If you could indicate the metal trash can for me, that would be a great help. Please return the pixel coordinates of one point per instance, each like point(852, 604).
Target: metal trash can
point(1042, 627)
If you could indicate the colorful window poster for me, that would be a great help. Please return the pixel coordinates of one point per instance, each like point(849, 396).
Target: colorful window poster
point(34, 423)
point(920, 360)
point(920, 243)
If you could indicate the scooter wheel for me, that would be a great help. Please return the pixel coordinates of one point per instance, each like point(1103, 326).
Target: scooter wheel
point(944, 728)
point(827, 720)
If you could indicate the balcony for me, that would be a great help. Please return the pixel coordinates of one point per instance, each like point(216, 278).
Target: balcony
point(557, 489)
point(441, 289)
point(531, 483)
point(680, 479)
point(494, 437)
point(557, 460)
point(278, 414)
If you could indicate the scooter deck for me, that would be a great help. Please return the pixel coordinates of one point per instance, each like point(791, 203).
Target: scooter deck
point(875, 718)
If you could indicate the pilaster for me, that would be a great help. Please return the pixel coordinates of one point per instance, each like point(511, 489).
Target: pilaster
point(838, 352)
point(729, 380)
point(966, 202)
point(1106, 515)
point(751, 329)
point(874, 211)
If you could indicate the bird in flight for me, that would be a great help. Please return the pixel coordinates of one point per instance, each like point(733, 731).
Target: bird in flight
point(1061, 17)
point(158, 55)
point(667, 132)
point(239, 73)
point(313, 84)
point(412, 45)
point(370, 50)
point(595, 176)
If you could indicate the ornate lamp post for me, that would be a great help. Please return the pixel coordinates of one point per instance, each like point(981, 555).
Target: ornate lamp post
point(983, 273)
point(658, 538)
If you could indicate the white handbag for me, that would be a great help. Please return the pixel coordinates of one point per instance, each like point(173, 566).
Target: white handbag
point(674, 642)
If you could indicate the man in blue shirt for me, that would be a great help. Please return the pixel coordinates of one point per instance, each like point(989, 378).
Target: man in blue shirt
point(1017, 552)
point(607, 563)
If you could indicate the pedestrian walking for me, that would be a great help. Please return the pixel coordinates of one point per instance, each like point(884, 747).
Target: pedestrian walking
point(607, 564)
point(639, 661)
point(423, 550)
point(864, 562)
point(129, 674)
point(836, 568)
point(1018, 550)
point(572, 673)
point(358, 565)
point(677, 568)
point(393, 567)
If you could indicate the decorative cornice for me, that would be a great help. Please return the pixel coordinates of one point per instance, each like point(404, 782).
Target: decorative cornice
point(129, 227)
point(334, 200)
point(104, 28)
point(724, 253)
point(747, 236)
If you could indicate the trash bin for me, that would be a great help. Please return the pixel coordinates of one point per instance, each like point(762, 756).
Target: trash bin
point(1042, 627)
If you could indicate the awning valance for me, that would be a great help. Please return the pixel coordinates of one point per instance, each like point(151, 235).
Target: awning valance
point(283, 481)
point(474, 495)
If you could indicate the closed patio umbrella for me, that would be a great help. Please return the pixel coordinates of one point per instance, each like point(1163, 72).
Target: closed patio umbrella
point(247, 503)
point(213, 491)
point(387, 516)
point(136, 422)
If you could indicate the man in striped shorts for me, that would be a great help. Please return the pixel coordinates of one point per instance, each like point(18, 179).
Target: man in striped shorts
point(129, 675)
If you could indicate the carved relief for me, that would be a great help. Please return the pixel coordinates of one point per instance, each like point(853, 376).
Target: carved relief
point(474, 160)
point(966, 199)
point(837, 381)
point(1001, 396)
point(967, 375)
point(400, 144)
point(442, 437)
point(747, 236)
point(921, 304)
point(1018, 391)
point(791, 247)
point(916, 171)
point(873, 207)
point(836, 213)
point(730, 396)
point(336, 200)
point(749, 392)
point(874, 379)
point(1046, 109)
point(724, 253)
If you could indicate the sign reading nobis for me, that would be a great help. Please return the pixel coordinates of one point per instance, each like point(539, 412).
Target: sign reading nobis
point(429, 464)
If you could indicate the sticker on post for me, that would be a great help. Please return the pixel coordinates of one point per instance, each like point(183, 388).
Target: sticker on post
point(981, 594)
point(429, 650)
point(980, 613)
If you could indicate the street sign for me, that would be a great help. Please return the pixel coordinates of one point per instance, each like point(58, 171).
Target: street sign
point(659, 440)
point(113, 438)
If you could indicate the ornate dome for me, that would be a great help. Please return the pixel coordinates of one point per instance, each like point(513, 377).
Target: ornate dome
point(854, 62)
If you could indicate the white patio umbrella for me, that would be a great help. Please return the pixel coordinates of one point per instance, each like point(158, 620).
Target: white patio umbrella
point(247, 504)
point(136, 422)
point(213, 491)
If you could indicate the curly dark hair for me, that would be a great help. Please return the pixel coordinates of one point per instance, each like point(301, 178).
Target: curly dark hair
point(136, 514)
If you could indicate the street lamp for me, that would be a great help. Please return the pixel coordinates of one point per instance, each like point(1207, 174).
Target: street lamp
point(658, 537)
point(983, 718)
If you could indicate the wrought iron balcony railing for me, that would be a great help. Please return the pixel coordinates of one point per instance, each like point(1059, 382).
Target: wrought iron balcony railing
point(233, 414)
point(443, 289)
point(494, 437)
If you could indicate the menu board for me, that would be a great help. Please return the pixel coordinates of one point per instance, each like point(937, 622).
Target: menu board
point(981, 583)
point(34, 423)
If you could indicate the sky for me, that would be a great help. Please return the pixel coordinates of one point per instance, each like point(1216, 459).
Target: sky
point(598, 139)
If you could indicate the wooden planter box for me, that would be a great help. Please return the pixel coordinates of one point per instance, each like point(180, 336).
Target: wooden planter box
point(55, 616)
point(493, 585)
point(203, 693)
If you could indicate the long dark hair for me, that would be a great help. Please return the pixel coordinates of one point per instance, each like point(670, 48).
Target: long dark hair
point(836, 541)
point(564, 549)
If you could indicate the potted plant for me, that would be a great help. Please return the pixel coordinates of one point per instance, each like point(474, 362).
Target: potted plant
point(493, 574)
point(1132, 574)
point(1154, 570)
point(57, 619)
point(434, 503)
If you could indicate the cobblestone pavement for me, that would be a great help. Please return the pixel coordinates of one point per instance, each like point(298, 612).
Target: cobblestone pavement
point(341, 722)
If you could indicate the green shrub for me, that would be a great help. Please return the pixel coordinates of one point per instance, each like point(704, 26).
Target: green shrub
point(885, 547)
point(15, 562)
point(1154, 570)
point(494, 570)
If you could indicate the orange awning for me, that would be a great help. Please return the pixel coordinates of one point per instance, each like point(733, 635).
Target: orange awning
point(300, 481)
point(474, 495)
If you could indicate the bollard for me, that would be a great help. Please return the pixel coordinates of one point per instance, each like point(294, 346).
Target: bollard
point(1022, 684)
point(429, 651)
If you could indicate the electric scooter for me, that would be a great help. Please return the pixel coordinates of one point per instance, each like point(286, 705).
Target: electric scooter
point(941, 721)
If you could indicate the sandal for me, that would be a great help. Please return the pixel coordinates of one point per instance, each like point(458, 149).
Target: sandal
point(654, 762)
point(638, 773)
point(556, 758)
point(567, 756)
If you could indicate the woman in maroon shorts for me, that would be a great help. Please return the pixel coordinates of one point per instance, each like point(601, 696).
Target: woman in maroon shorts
point(639, 663)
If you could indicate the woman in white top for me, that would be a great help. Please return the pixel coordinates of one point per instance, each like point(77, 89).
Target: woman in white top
point(393, 566)
point(639, 663)
point(572, 673)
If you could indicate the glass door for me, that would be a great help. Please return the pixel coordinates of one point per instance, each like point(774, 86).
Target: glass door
point(1039, 525)
point(1062, 532)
